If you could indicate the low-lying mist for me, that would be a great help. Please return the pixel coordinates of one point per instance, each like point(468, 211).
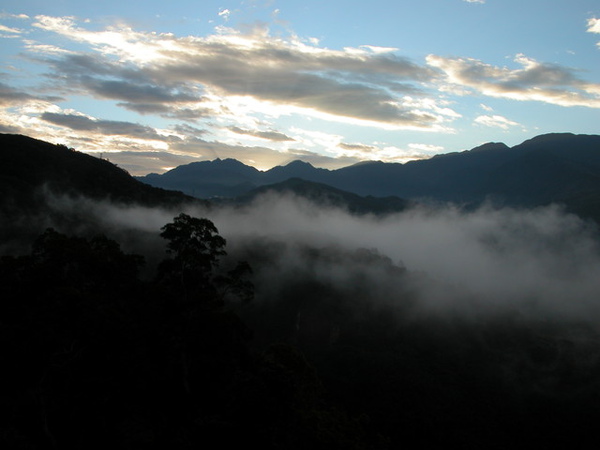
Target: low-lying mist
point(542, 261)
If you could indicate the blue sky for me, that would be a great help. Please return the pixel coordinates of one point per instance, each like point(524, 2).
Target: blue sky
point(152, 85)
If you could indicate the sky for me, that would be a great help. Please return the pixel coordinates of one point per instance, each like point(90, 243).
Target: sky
point(152, 85)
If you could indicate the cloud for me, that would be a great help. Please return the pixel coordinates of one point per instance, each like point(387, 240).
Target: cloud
point(534, 81)
point(535, 264)
point(10, 96)
point(5, 29)
point(343, 85)
point(474, 1)
point(144, 162)
point(257, 156)
point(389, 153)
point(495, 121)
point(594, 27)
point(224, 13)
point(360, 147)
point(268, 135)
point(502, 258)
point(426, 148)
point(135, 93)
point(4, 15)
point(108, 127)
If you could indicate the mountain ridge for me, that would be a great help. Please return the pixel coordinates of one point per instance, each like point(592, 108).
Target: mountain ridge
point(462, 177)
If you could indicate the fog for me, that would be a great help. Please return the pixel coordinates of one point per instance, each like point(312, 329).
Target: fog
point(542, 261)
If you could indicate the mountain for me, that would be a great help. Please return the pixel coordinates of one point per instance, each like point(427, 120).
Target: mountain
point(33, 172)
point(327, 196)
point(205, 179)
point(296, 169)
point(28, 164)
point(558, 167)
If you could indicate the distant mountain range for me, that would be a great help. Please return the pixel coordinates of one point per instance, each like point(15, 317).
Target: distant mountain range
point(30, 169)
point(552, 168)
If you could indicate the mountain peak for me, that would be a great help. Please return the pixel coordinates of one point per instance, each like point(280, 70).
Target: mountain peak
point(298, 163)
point(490, 146)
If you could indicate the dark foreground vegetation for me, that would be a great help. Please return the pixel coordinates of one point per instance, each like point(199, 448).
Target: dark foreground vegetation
point(95, 356)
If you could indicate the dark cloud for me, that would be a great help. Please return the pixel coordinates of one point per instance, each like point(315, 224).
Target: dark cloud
point(10, 96)
point(147, 108)
point(268, 135)
point(107, 127)
point(133, 92)
point(189, 130)
point(360, 147)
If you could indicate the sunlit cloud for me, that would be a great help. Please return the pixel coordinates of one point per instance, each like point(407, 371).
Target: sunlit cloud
point(495, 121)
point(5, 29)
point(426, 148)
point(344, 85)
point(534, 81)
point(389, 153)
point(224, 13)
point(594, 27)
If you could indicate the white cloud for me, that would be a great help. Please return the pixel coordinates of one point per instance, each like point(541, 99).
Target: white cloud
point(495, 121)
point(225, 13)
point(427, 148)
point(594, 27)
point(5, 29)
point(13, 16)
point(475, 1)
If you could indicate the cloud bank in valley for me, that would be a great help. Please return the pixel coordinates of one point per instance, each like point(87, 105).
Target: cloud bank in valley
point(540, 262)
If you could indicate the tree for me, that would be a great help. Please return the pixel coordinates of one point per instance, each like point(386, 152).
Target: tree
point(195, 242)
point(197, 248)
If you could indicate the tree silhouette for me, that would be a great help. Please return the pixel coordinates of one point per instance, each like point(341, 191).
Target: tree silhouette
point(196, 247)
point(195, 242)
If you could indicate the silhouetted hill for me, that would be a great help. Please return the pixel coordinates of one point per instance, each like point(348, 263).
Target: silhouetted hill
point(552, 168)
point(27, 164)
point(296, 169)
point(327, 196)
point(205, 179)
point(34, 174)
